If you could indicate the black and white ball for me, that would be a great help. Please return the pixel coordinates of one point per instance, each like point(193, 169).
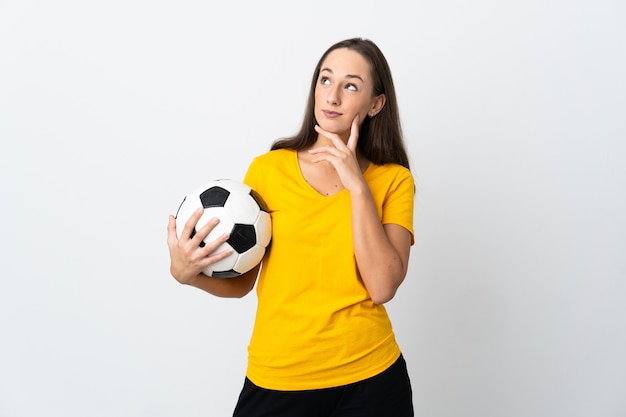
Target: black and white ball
point(242, 213)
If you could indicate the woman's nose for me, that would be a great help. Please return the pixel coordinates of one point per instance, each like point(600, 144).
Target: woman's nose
point(333, 96)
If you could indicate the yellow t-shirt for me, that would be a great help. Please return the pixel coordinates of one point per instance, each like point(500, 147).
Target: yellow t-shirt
point(316, 326)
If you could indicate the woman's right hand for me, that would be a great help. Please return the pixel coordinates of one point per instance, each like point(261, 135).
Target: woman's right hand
point(187, 258)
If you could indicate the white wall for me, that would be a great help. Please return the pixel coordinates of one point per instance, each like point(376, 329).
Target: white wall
point(514, 115)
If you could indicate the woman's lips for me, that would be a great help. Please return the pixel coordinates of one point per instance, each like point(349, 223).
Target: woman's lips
point(331, 114)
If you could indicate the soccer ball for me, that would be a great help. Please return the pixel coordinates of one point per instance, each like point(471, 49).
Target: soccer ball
point(242, 213)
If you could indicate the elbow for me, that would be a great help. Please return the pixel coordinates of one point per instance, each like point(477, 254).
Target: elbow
point(383, 295)
point(246, 282)
point(382, 291)
point(382, 299)
point(244, 292)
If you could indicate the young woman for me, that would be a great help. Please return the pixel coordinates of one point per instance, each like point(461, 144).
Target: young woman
point(341, 198)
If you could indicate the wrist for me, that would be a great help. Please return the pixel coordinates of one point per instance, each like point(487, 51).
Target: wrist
point(182, 278)
point(194, 280)
point(360, 189)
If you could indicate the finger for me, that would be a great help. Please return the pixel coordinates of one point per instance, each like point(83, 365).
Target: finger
point(332, 150)
point(214, 256)
point(201, 232)
point(171, 231)
point(214, 250)
point(191, 223)
point(202, 263)
point(354, 134)
point(334, 138)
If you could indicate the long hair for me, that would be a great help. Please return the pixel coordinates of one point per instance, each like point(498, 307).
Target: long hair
point(380, 137)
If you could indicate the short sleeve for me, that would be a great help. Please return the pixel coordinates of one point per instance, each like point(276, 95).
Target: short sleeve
point(399, 202)
point(253, 176)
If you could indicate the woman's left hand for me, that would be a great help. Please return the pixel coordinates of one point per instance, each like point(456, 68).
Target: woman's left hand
point(342, 156)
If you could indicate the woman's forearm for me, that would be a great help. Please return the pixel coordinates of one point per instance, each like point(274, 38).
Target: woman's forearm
point(381, 252)
point(235, 287)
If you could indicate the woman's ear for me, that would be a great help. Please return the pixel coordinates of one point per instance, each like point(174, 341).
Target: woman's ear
point(377, 105)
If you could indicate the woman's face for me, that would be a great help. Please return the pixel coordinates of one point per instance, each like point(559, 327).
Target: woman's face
point(344, 89)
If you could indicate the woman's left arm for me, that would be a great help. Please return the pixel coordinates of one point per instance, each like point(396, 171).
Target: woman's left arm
point(381, 251)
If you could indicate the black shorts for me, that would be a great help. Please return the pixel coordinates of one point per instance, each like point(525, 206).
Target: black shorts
point(386, 394)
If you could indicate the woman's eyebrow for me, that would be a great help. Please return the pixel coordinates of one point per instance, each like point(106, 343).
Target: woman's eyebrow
point(347, 75)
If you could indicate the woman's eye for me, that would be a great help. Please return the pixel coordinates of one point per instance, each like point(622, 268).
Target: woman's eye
point(324, 80)
point(351, 87)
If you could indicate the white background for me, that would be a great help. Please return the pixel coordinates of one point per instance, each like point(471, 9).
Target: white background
point(514, 115)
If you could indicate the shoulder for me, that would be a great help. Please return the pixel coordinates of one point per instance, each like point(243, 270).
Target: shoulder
point(273, 157)
point(268, 166)
point(389, 172)
point(390, 180)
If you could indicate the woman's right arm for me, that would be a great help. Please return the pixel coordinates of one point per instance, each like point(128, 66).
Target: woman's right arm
point(188, 259)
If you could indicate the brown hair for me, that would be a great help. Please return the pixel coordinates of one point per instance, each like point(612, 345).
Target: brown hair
point(380, 138)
